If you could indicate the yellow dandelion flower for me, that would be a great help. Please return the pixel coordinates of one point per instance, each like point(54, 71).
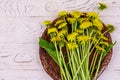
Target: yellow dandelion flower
point(95, 40)
point(83, 19)
point(92, 15)
point(59, 22)
point(104, 43)
point(62, 33)
point(79, 31)
point(85, 25)
point(62, 25)
point(98, 24)
point(72, 36)
point(53, 39)
point(76, 14)
point(100, 48)
point(71, 45)
point(103, 37)
point(63, 14)
point(99, 32)
point(71, 20)
point(47, 22)
point(52, 30)
point(83, 38)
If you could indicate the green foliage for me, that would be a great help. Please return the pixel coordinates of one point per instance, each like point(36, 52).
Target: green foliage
point(49, 47)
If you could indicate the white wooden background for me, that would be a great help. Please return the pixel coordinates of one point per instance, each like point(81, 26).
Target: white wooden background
point(20, 29)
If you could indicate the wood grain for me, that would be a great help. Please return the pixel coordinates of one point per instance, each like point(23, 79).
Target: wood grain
point(20, 29)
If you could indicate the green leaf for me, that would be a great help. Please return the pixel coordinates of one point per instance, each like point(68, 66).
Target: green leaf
point(47, 23)
point(49, 47)
point(102, 6)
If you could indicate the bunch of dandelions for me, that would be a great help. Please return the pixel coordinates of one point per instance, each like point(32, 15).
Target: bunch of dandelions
point(81, 35)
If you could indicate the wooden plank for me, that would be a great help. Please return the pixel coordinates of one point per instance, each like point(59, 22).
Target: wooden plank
point(110, 75)
point(23, 75)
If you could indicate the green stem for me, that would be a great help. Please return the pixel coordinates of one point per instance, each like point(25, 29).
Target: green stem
point(97, 41)
point(60, 63)
point(96, 74)
point(80, 68)
point(82, 73)
point(79, 60)
point(75, 26)
point(94, 62)
point(69, 62)
point(87, 62)
point(73, 62)
point(65, 66)
point(87, 49)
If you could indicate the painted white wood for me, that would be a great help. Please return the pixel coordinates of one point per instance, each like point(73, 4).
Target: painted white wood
point(20, 29)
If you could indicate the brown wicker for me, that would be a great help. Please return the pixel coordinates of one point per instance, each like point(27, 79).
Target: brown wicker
point(53, 69)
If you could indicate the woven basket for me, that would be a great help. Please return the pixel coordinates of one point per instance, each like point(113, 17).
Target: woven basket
point(53, 69)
